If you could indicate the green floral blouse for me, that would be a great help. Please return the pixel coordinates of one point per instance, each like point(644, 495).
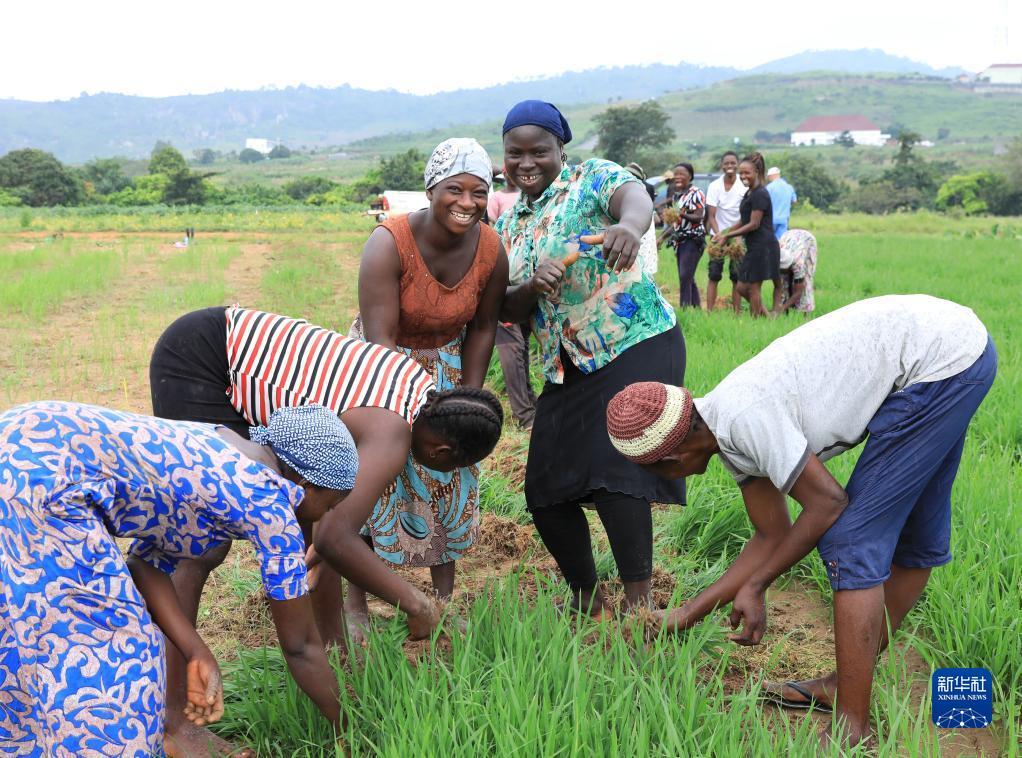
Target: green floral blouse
point(597, 314)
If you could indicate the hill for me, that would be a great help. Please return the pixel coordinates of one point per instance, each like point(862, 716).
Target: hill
point(110, 124)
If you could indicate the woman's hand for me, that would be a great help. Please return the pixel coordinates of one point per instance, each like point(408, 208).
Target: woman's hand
point(313, 565)
point(676, 620)
point(548, 276)
point(205, 700)
point(422, 623)
point(620, 247)
point(720, 238)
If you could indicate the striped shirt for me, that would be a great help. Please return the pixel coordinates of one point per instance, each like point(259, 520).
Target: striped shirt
point(277, 362)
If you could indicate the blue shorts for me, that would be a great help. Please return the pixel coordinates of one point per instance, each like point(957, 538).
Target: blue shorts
point(780, 227)
point(899, 495)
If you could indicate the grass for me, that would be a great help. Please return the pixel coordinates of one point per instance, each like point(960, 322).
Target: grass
point(80, 314)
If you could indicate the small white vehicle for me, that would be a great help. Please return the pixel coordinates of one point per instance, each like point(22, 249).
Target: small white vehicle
point(395, 203)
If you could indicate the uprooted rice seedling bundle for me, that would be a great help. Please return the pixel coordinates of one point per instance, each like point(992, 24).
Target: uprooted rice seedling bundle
point(671, 215)
point(732, 247)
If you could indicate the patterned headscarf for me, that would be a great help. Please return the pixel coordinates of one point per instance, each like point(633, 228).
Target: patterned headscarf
point(648, 420)
point(313, 441)
point(458, 155)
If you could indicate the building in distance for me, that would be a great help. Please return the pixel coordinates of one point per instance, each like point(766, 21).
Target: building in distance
point(827, 130)
point(1002, 74)
point(260, 145)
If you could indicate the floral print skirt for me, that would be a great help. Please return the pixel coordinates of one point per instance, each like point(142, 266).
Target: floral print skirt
point(427, 517)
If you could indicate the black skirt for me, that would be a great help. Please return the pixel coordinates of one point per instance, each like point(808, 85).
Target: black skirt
point(761, 262)
point(570, 454)
point(189, 374)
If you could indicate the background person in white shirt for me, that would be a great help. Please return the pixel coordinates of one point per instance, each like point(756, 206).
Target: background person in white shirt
point(906, 373)
point(723, 201)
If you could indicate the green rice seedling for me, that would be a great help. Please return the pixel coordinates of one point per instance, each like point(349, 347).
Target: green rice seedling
point(502, 497)
point(55, 276)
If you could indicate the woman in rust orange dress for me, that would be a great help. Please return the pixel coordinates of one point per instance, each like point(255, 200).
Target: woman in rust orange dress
point(430, 285)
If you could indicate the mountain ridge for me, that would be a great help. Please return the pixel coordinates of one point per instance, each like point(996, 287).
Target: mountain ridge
point(107, 124)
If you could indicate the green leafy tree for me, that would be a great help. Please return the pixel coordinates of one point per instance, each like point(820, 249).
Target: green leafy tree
point(8, 199)
point(205, 156)
point(248, 155)
point(280, 151)
point(402, 172)
point(166, 160)
point(144, 190)
point(623, 132)
point(845, 139)
point(811, 180)
point(979, 192)
point(37, 179)
point(881, 196)
point(305, 186)
point(907, 139)
point(106, 175)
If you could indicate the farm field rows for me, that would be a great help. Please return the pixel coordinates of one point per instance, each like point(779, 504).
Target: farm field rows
point(84, 297)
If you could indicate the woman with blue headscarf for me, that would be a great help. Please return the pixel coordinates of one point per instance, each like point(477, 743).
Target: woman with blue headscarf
point(81, 661)
point(602, 324)
point(430, 286)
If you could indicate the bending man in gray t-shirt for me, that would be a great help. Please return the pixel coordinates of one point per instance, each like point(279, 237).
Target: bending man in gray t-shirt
point(905, 371)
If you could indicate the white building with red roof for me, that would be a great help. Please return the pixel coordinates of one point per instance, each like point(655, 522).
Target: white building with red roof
point(825, 130)
point(1003, 73)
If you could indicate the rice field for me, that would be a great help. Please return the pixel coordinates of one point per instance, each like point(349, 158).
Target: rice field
point(84, 297)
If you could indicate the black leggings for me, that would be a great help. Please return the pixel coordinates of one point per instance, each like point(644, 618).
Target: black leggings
point(188, 373)
point(629, 524)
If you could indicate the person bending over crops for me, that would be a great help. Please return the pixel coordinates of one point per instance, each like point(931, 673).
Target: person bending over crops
point(234, 366)
point(81, 662)
point(906, 373)
point(723, 200)
point(430, 286)
point(756, 226)
point(798, 272)
point(601, 324)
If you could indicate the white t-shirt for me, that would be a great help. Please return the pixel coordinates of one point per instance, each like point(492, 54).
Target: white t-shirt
point(815, 389)
point(727, 202)
point(648, 250)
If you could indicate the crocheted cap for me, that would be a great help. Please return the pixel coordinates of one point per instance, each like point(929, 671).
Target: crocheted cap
point(647, 420)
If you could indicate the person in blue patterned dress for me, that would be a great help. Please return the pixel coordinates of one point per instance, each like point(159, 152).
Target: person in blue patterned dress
point(81, 660)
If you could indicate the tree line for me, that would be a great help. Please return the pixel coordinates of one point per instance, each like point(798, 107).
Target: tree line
point(640, 133)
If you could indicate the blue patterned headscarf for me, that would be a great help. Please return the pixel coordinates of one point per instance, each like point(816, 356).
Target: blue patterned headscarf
point(313, 441)
point(541, 114)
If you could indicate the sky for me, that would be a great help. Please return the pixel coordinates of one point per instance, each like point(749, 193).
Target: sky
point(58, 50)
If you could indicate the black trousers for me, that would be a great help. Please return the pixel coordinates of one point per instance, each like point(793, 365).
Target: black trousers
point(513, 350)
point(629, 524)
point(189, 375)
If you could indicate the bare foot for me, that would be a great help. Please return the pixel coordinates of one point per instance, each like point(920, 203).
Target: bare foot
point(356, 615)
point(358, 627)
point(185, 740)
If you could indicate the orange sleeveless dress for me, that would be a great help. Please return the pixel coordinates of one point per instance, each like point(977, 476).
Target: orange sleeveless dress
point(427, 517)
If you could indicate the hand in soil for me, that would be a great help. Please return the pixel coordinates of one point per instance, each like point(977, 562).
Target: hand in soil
point(185, 740)
point(422, 624)
point(676, 620)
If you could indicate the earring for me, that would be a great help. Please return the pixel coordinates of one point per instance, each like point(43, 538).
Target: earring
point(564, 157)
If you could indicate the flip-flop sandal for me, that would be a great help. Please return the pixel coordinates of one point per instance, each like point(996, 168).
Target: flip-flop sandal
point(775, 696)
